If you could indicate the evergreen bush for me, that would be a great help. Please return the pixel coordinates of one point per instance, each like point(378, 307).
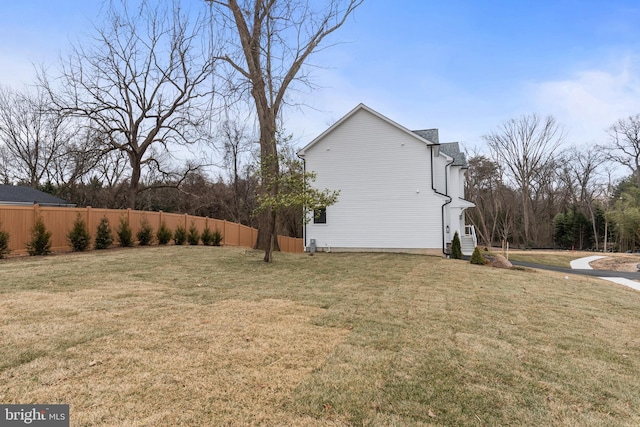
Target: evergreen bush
point(40, 243)
point(124, 233)
point(216, 237)
point(207, 237)
point(104, 238)
point(79, 237)
point(145, 234)
point(163, 234)
point(4, 243)
point(477, 258)
point(194, 235)
point(180, 235)
point(456, 248)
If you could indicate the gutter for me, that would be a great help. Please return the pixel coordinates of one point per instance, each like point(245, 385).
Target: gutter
point(304, 210)
point(446, 187)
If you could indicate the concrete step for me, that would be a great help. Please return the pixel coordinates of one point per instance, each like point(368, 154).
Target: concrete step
point(467, 245)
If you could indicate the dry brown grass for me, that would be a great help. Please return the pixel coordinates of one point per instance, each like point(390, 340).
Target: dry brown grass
point(617, 262)
point(213, 336)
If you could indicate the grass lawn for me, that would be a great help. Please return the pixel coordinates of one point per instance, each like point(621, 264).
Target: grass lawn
point(200, 336)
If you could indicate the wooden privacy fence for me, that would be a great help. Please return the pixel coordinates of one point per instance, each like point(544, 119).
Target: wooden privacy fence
point(18, 221)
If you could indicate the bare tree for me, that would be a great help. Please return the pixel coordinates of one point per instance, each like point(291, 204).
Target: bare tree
point(236, 144)
point(482, 183)
point(584, 165)
point(34, 136)
point(142, 83)
point(269, 42)
point(625, 144)
point(524, 146)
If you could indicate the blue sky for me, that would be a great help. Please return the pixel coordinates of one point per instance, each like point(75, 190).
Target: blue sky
point(459, 65)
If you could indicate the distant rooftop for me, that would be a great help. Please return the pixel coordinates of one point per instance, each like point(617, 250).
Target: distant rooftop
point(19, 195)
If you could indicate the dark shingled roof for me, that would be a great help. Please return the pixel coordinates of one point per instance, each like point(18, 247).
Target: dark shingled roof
point(429, 135)
point(18, 195)
point(452, 149)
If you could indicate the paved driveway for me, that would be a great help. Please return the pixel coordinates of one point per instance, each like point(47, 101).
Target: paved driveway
point(625, 278)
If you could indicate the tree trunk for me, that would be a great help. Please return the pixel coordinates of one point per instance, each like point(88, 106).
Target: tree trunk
point(525, 216)
point(270, 173)
point(132, 192)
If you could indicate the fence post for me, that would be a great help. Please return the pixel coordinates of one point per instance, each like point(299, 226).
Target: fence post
point(224, 231)
point(88, 216)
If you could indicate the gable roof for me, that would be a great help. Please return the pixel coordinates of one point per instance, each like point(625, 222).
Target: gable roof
point(19, 195)
point(415, 135)
point(452, 149)
point(429, 134)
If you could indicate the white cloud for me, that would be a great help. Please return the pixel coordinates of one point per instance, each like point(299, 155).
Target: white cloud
point(590, 101)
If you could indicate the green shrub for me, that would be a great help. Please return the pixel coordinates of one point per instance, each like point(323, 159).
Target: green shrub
point(477, 258)
point(456, 248)
point(194, 235)
point(124, 233)
point(79, 237)
point(216, 238)
point(104, 238)
point(145, 234)
point(207, 237)
point(40, 243)
point(180, 235)
point(164, 235)
point(4, 243)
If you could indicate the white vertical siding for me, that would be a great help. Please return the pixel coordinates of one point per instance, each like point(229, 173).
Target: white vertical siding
point(384, 177)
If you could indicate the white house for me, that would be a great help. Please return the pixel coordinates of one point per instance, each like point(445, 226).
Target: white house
point(400, 190)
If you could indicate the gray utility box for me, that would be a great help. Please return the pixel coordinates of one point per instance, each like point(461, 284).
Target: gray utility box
point(312, 245)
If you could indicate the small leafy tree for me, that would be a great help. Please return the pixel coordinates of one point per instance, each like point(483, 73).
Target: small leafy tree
point(125, 235)
point(194, 235)
point(295, 190)
point(104, 238)
point(4, 243)
point(477, 258)
point(207, 236)
point(79, 237)
point(163, 234)
point(180, 235)
point(40, 243)
point(456, 248)
point(145, 234)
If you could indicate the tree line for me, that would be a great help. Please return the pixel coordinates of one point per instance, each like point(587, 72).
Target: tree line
point(139, 112)
point(534, 192)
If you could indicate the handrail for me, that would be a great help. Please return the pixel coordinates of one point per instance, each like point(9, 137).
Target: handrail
point(470, 230)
